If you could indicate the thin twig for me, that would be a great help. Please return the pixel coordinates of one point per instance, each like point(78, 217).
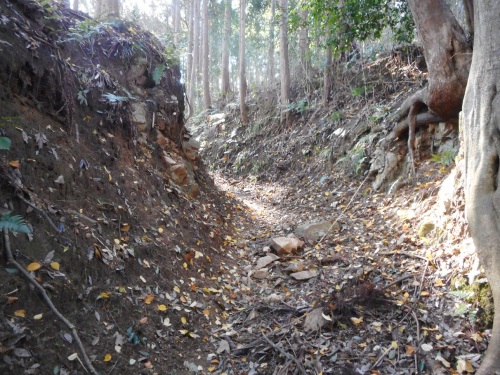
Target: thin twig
point(405, 253)
point(395, 282)
point(379, 360)
point(44, 214)
point(287, 355)
point(82, 216)
point(418, 340)
point(48, 301)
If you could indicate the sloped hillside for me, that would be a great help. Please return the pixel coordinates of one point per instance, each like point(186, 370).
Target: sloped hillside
point(126, 226)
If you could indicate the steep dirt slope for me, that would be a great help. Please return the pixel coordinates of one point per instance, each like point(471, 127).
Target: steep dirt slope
point(127, 228)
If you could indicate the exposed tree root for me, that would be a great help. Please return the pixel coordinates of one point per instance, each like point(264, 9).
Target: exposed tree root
point(10, 259)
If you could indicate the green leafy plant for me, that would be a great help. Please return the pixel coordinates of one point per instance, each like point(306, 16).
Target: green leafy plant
point(445, 157)
point(299, 106)
point(82, 97)
point(157, 73)
point(14, 223)
point(5, 143)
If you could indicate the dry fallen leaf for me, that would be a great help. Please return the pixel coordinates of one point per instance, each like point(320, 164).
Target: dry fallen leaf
point(426, 347)
point(148, 299)
point(20, 313)
point(357, 321)
point(33, 266)
point(55, 266)
point(15, 163)
point(103, 295)
point(38, 316)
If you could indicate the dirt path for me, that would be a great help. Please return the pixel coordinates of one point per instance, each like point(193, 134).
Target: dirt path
point(376, 301)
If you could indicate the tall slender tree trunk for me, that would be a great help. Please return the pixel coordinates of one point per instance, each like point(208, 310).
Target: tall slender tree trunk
point(327, 75)
point(177, 21)
point(108, 9)
point(304, 42)
point(196, 52)
point(242, 56)
point(190, 47)
point(481, 124)
point(206, 54)
point(225, 49)
point(284, 63)
point(271, 72)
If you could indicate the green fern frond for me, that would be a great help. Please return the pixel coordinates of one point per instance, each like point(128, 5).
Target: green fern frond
point(462, 294)
point(14, 223)
point(157, 73)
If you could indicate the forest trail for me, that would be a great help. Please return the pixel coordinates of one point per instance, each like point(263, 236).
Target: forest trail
point(369, 297)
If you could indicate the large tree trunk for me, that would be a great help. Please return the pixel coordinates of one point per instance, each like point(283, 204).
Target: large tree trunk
point(284, 63)
point(447, 54)
point(481, 121)
point(226, 39)
point(207, 102)
point(243, 79)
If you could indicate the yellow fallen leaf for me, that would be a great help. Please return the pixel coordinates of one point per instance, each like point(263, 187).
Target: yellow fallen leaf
point(162, 307)
point(357, 321)
point(33, 266)
point(184, 320)
point(55, 266)
point(160, 230)
point(15, 164)
point(107, 357)
point(177, 289)
point(103, 295)
point(394, 344)
point(20, 313)
point(206, 312)
point(148, 299)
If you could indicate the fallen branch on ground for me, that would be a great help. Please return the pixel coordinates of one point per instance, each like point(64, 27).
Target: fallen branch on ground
point(48, 301)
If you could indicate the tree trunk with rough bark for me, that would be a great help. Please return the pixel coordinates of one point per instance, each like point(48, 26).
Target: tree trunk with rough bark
point(481, 123)
point(448, 55)
point(243, 79)
point(225, 49)
point(207, 101)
